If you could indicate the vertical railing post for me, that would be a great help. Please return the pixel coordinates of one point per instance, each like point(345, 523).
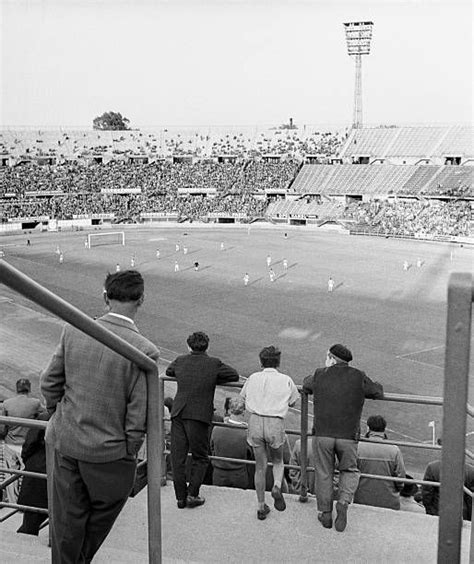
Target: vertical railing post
point(49, 486)
point(154, 454)
point(456, 379)
point(163, 441)
point(471, 550)
point(304, 448)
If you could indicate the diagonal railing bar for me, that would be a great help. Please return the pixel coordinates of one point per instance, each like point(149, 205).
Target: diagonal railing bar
point(27, 287)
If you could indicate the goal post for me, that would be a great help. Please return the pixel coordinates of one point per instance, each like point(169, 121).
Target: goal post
point(108, 238)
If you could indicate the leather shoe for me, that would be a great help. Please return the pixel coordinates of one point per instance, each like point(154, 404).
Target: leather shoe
point(262, 513)
point(280, 504)
point(325, 518)
point(194, 501)
point(181, 503)
point(341, 518)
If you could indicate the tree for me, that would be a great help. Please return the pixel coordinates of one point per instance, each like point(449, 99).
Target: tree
point(111, 121)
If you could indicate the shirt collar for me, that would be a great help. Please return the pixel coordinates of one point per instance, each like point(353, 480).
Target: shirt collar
point(377, 435)
point(120, 316)
point(234, 422)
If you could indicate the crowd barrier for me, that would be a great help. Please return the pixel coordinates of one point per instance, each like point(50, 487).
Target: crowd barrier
point(454, 402)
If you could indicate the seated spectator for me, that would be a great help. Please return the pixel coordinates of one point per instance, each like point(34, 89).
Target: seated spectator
point(207, 480)
point(231, 442)
point(430, 494)
point(295, 459)
point(226, 409)
point(26, 407)
point(382, 459)
point(33, 491)
point(407, 497)
point(168, 403)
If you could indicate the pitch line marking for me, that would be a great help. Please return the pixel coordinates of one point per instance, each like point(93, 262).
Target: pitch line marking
point(419, 352)
point(424, 363)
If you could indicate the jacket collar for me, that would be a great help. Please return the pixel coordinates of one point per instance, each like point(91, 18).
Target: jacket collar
point(114, 320)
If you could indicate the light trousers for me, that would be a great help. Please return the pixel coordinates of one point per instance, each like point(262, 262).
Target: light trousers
point(326, 450)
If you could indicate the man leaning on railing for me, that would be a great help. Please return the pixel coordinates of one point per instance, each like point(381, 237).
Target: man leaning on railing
point(339, 391)
point(24, 406)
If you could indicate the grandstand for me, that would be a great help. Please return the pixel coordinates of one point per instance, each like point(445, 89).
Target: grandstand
point(301, 175)
point(410, 145)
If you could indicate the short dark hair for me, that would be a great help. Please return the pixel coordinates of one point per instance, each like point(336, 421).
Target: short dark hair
point(376, 423)
point(198, 341)
point(23, 385)
point(168, 401)
point(125, 286)
point(409, 488)
point(270, 357)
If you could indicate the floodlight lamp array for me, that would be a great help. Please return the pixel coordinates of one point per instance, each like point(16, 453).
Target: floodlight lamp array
point(358, 37)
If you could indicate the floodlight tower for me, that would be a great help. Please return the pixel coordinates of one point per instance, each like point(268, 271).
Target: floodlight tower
point(358, 37)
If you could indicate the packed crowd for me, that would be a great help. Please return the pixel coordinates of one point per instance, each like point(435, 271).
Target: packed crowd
point(418, 218)
point(75, 189)
point(238, 142)
point(130, 206)
point(194, 190)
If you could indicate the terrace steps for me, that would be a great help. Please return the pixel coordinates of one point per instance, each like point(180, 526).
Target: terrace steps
point(226, 528)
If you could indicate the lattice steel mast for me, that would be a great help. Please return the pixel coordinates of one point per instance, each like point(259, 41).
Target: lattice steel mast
point(358, 37)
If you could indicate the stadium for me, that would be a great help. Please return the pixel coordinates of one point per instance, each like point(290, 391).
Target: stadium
point(386, 212)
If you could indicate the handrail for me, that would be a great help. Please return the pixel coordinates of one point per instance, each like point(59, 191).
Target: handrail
point(33, 423)
point(24, 285)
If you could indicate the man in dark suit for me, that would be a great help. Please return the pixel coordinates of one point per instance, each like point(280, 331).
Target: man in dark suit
point(197, 375)
point(97, 399)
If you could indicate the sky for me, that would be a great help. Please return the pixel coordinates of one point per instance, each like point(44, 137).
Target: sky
point(232, 62)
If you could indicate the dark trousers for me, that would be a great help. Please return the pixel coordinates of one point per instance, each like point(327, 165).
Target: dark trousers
point(188, 435)
point(231, 478)
point(86, 500)
point(32, 523)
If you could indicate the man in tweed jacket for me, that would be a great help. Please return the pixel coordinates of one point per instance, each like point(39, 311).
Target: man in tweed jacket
point(197, 375)
point(98, 401)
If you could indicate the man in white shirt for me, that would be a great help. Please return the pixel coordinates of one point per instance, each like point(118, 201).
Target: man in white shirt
point(267, 395)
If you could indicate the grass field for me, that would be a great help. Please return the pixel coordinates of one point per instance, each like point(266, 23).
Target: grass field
point(392, 320)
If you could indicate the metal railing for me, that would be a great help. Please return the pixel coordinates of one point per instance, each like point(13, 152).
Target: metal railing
point(455, 408)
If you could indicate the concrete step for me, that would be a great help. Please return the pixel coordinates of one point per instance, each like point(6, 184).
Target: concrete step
point(226, 528)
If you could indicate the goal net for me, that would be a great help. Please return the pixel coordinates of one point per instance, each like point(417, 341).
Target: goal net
point(110, 238)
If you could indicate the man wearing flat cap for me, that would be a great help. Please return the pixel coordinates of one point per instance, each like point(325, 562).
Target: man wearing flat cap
point(339, 392)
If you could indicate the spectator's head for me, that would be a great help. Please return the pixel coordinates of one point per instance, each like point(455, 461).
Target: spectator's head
point(198, 341)
point(376, 423)
point(168, 401)
point(237, 406)
point(409, 489)
point(338, 353)
point(227, 405)
point(270, 357)
point(44, 415)
point(126, 286)
point(23, 386)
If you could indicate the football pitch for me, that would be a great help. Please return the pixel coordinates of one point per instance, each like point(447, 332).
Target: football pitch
point(393, 320)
